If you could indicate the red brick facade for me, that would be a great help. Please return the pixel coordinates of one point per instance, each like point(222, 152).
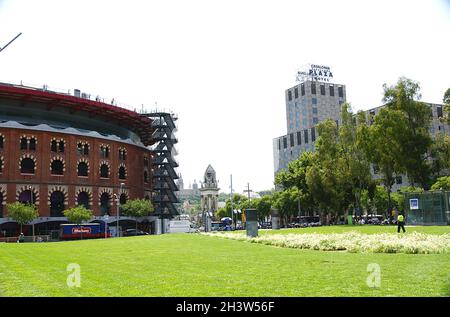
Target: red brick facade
point(43, 183)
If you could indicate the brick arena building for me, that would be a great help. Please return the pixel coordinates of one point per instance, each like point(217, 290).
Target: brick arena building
point(59, 150)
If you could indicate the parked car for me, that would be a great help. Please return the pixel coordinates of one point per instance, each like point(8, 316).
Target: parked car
point(134, 232)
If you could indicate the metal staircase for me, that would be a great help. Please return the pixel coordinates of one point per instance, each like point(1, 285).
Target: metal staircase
point(164, 164)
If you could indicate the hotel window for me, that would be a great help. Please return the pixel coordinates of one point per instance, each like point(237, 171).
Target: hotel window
point(331, 90)
point(284, 143)
point(279, 144)
point(314, 110)
point(313, 134)
point(299, 138)
point(314, 101)
point(305, 135)
point(439, 112)
point(341, 92)
point(322, 90)
point(289, 95)
point(296, 92)
point(291, 136)
point(302, 87)
point(315, 120)
point(313, 88)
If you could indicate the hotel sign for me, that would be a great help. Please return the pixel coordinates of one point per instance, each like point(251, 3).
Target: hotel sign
point(315, 72)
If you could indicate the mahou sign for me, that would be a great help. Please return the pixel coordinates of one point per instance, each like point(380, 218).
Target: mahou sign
point(77, 230)
point(316, 72)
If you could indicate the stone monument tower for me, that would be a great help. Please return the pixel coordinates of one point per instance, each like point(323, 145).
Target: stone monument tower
point(209, 192)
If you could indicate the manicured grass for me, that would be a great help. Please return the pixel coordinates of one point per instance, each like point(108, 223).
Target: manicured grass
point(197, 265)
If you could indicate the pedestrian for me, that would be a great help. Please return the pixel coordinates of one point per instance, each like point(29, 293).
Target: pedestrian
point(21, 238)
point(401, 222)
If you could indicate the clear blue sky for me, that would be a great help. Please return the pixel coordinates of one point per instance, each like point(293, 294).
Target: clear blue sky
point(223, 66)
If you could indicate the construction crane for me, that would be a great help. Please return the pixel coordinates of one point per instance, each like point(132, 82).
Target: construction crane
point(2, 48)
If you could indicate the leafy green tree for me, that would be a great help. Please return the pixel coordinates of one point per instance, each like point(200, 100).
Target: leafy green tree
point(78, 215)
point(446, 101)
point(442, 183)
point(440, 151)
point(295, 176)
point(22, 213)
point(264, 206)
point(286, 203)
point(414, 143)
point(137, 208)
point(382, 146)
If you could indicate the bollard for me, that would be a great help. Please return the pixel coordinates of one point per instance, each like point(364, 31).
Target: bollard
point(251, 223)
point(275, 219)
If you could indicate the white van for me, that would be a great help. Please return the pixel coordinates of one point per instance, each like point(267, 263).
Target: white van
point(181, 226)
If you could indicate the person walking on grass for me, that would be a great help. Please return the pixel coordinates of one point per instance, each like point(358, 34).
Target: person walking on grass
point(401, 223)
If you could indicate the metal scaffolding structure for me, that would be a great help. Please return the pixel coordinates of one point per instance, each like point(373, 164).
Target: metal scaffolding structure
point(164, 163)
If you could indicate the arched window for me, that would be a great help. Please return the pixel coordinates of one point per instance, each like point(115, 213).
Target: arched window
point(123, 199)
point(23, 143)
point(27, 166)
point(57, 167)
point(1, 164)
point(104, 151)
point(83, 200)
point(54, 146)
point(61, 146)
point(145, 177)
point(105, 204)
point(56, 204)
point(104, 171)
point(27, 197)
point(32, 146)
point(86, 149)
point(83, 169)
point(2, 140)
point(122, 173)
point(122, 154)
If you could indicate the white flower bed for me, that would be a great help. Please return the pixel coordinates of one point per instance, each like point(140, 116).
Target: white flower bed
point(351, 241)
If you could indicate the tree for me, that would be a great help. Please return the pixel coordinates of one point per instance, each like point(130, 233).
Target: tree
point(295, 176)
point(442, 183)
point(382, 144)
point(137, 208)
point(286, 202)
point(415, 142)
point(264, 206)
point(78, 215)
point(22, 213)
point(446, 101)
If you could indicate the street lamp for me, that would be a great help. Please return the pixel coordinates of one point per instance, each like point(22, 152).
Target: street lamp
point(31, 198)
point(118, 212)
point(105, 218)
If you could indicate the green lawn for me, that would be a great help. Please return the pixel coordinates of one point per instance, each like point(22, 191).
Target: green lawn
point(196, 265)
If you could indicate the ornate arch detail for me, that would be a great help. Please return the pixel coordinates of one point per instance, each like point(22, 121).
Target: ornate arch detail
point(103, 190)
point(4, 193)
point(28, 137)
point(83, 143)
point(86, 190)
point(104, 163)
point(27, 155)
point(58, 158)
point(84, 160)
point(2, 163)
point(22, 188)
point(57, 188)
